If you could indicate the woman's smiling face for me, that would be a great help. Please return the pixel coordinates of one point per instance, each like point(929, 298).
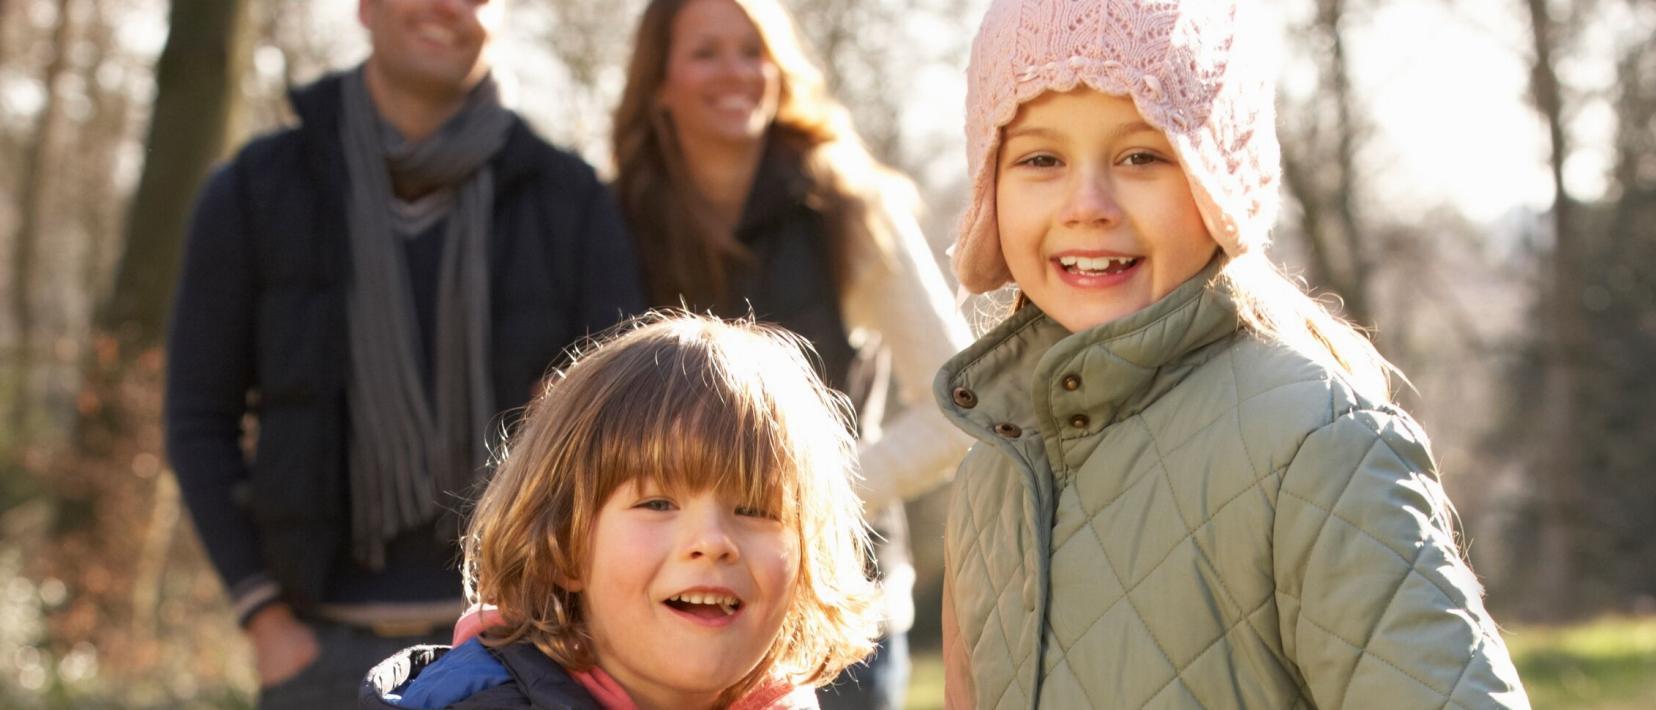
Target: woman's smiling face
point(720, 84)
point(1095, 215)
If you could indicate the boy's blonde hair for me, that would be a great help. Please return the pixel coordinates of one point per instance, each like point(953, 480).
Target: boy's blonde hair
point(689, 403)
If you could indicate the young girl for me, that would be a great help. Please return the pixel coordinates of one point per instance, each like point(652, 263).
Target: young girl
point(1192, 488)
point(673, 526)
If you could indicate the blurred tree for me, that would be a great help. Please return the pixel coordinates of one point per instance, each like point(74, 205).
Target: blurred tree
point(206, 55)
point(1617, 306)
point(586, 45)
point(31, 210)
point(1561, 465)
point(1319, 155)
point(103, 136)
point(871, 54)
point(5, 22)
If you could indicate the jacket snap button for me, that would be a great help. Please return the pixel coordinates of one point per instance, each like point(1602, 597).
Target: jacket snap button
point(1072, 382)
point(965, 397)
point(1010, 431)
point(1080, 421)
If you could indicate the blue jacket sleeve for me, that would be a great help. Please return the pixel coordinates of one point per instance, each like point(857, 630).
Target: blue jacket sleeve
point(210, 366)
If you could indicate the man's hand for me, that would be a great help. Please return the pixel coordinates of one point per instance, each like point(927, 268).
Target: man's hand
point(282, 645)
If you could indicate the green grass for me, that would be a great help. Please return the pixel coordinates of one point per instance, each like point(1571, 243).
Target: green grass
point(1607, 664)
point(925, 681)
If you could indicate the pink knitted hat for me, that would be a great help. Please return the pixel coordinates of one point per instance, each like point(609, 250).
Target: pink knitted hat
point(1192, 69)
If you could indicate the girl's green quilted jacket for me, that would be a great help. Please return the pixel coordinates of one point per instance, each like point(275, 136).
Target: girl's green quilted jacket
point(1167, 512)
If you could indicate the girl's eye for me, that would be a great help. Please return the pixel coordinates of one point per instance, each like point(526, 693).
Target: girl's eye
point(1141, 157)
point(656, 504)
point(1039, 161)
point(753, 51)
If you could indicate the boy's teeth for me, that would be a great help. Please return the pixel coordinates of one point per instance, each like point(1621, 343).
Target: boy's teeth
point(727, 603)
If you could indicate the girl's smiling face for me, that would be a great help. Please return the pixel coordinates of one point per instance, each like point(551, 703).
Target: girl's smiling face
point(684, 593)
point(1095, 215)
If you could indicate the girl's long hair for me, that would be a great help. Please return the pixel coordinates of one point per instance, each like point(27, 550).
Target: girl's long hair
point(1277, 307)
point(689, 255)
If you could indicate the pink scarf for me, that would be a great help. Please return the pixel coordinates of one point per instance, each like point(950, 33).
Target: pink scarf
point(777, 694)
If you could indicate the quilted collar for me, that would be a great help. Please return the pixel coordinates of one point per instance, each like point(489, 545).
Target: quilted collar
point(1030, 373)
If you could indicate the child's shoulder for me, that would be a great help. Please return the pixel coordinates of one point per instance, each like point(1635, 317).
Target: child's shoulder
point(1283, 395)
point(471, 676)
point(1274, 374)
point(1293, 406)
point(433, 677)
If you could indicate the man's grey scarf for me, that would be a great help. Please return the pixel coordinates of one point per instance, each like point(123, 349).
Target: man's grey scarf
point(407, 449)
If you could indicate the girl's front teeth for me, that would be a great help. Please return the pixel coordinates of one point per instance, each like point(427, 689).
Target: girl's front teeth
point(1091, 265)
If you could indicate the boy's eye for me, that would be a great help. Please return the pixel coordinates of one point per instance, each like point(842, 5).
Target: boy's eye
point(656, 504)
point(755, 512)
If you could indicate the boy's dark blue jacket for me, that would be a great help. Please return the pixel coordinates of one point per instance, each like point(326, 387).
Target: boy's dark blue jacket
point(472, 677)
point(259, 327)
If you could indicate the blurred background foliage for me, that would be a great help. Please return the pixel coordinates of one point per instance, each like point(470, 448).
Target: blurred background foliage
point(1514, 285)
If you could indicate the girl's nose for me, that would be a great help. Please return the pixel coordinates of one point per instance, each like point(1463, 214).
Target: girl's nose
point(1090, 200)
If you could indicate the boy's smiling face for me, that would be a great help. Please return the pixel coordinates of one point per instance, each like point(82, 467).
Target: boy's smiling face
point(684, 593)
point(1095, 215)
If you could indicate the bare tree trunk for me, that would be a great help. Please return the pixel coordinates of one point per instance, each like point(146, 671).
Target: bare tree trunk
point(1330, 13)
point(1560, 470)
point(5, 19)
point(1632, 241)
point(205, 55)
point(1298, 178)
point(31, 211)
point(108, 128)
point(1320, 170)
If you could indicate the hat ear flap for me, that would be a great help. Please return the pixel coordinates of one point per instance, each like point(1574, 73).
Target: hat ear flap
point(979, 263)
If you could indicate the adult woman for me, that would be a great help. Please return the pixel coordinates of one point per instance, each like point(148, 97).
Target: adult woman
point(749, 190)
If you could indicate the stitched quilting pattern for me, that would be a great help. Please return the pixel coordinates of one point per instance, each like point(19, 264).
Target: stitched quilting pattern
point(1270, 540)
point(998, 587)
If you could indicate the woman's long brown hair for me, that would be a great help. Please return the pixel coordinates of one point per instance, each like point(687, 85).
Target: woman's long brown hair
point(688, 255)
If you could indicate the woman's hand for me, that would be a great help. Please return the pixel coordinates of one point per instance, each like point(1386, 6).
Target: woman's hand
point(282, 645)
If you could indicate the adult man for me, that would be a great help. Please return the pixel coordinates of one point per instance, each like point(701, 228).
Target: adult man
point(374, 286)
